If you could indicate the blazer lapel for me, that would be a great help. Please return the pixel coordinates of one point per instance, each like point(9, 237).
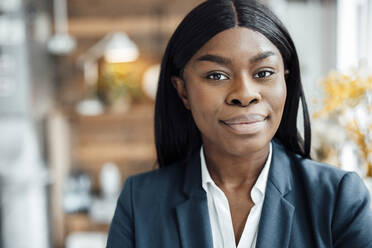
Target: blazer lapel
point(277, 213)
point(193, 217)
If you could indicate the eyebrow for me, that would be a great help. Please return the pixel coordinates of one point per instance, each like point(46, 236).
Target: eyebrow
point(225, 61)
point(216, 59)
point(261, 56)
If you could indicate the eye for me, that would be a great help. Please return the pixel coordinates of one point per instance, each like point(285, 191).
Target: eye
point(263, 74)
point(217, 76)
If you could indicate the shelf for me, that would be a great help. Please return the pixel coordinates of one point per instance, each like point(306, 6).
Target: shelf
point(127, 139)
point(82, 223)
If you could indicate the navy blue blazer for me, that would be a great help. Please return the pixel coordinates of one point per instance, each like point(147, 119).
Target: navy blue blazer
point(307, 204)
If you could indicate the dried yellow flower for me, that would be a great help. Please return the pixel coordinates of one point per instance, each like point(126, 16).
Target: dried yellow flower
point(343, 92)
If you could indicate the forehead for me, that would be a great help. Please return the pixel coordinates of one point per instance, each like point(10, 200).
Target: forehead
point(238, 41)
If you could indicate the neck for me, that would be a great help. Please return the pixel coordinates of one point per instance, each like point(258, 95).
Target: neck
point(232, 171)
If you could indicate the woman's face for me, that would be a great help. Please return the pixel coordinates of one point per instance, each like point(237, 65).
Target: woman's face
point(235, 88)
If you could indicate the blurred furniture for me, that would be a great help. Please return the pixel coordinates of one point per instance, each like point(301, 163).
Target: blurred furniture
point(86, 143)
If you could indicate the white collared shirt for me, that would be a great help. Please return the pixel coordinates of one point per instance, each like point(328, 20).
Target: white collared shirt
point(219, 210)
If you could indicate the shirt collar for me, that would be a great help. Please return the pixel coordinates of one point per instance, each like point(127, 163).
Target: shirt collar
point(259, 188)
point(206, 177)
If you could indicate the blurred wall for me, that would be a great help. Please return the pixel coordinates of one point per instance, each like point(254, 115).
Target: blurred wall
point(25, 93)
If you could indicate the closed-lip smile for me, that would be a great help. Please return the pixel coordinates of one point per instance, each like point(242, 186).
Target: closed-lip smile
point(244, 119)
point(246, 123)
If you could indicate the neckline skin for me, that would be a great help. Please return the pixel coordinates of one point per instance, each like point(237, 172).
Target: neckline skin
point(241, 173)
point(260, 183)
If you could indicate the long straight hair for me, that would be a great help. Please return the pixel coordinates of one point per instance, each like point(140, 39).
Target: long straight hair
point(176, 134)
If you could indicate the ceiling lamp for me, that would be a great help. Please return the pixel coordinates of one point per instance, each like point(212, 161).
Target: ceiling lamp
point(119, 48)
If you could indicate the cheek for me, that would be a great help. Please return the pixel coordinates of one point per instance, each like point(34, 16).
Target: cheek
point(204, 104)
point(278, 98)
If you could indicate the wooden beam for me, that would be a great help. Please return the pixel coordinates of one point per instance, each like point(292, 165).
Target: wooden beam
point(93, 27)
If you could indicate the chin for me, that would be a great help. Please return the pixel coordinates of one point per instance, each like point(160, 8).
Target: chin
point(247, 146)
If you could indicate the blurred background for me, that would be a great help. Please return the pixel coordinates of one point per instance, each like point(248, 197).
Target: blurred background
point(77, 87)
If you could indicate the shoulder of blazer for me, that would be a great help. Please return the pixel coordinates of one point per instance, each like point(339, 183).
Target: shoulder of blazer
point(338, 202)
point(318, 173)
point(159, 181)
point(290, 170)
point(317, 179)
point(320, 185)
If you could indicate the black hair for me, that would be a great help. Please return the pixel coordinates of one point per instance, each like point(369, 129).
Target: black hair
point(176, 134)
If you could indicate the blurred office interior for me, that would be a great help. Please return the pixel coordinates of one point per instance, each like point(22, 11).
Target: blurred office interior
point(77, 86)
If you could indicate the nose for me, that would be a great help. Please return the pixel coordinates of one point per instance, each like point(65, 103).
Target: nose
point(243, 92)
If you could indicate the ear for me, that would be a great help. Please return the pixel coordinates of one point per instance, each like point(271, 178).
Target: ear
point(286, 73)
point(179, 85)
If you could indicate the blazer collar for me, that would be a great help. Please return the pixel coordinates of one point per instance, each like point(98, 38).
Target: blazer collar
point(192, 214)
point(277, 214)
point(280, 173)
point(193, 182)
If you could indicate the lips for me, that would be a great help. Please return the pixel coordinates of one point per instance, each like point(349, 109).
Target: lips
point(246, 124)
point(244, 119)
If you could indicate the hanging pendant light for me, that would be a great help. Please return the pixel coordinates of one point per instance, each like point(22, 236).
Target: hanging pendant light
point(61, 42)
point(119, 48)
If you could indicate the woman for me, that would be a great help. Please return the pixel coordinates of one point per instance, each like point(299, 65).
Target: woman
point(234, 171)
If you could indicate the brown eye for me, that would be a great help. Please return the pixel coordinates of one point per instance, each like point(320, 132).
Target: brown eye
point(263, 74)
point(217, 76)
